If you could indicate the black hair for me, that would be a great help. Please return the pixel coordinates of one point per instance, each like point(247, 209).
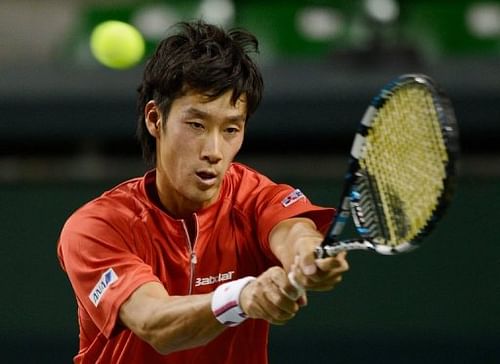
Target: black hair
point(200, 57)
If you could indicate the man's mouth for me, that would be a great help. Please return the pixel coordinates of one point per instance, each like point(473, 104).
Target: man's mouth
point(207, 177)
point(206, 174)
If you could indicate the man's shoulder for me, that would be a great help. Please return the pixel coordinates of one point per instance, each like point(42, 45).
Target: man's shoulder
point(245, 175)
point(245, 185)
point(123, 201)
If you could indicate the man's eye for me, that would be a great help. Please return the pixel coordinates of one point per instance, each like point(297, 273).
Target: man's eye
point(195, 125)
point(232, 130)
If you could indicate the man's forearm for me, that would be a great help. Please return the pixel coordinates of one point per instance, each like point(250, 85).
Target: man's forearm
point(289, 233)
point(171, 323)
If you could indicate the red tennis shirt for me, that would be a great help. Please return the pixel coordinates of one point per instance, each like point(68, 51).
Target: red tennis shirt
point(123, 239)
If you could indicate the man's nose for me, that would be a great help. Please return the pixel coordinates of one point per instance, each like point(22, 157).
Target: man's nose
point(211, 150)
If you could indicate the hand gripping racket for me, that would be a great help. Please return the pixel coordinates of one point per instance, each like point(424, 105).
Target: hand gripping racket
point(401, 170)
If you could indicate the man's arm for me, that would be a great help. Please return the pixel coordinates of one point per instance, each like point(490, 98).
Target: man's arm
point(293, 242)
point(169, 323)
point(173, 323)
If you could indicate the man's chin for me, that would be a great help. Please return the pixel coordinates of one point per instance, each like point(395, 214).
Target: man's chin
point(206, 197)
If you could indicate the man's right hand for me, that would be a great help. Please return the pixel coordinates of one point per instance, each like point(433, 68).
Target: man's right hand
point(270, 297)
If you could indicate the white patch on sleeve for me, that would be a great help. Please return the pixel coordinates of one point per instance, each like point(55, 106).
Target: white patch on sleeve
point(106, 280)
point(292, 198)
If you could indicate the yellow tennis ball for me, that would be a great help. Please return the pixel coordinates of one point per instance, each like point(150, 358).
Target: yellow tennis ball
point(117, 44)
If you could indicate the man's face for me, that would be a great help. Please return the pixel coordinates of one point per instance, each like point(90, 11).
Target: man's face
point(195, 147)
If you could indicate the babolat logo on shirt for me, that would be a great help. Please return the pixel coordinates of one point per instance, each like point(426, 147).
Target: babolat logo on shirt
point(222, 277)
point(108, 278)
point(292, 198)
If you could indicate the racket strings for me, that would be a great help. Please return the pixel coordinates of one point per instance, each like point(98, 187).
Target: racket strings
point(405, 162)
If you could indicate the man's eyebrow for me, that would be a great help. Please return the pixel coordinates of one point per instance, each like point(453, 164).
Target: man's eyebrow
point(193, 111)
point(236, 118)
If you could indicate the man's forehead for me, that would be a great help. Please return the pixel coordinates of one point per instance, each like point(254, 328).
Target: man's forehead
point(202, 104)
point(201, 98)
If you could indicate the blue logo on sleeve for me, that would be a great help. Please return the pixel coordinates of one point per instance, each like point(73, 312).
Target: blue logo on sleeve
point(107, 279)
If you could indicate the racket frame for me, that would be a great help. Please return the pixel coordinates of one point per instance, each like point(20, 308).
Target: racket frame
point(331, 245)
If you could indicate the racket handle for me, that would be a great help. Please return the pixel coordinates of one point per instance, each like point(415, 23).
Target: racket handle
point(326, 250)
point(300, 290)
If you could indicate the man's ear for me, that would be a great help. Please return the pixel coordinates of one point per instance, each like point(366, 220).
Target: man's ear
point(152, 118)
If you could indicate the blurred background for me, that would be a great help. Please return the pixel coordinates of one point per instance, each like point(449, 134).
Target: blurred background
point(67, 128)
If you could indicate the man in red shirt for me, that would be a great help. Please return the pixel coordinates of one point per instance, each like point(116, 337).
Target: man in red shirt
point(189, 263)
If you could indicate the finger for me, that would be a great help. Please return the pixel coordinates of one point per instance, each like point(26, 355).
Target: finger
point(294, 290)
point(300, 280)
point(326, 285)
point(260, 302)
point(278, 306)
point(306, 280)
point(327, 276)
point(337, 263)
point(305, 260)
point(273, 313)
point(342, 254)
point(302, 301)
point(326, 281)
point(289, 291)
point(323, 280)
point(269, 312)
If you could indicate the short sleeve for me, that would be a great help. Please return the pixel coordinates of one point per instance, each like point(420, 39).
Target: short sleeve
point(267, 203)
point(280, 202)
point(98, 256)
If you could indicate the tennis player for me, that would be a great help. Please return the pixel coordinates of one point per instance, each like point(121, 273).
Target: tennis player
point(189, 263)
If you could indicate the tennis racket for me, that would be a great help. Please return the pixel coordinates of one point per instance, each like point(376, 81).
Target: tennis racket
point(401, 170)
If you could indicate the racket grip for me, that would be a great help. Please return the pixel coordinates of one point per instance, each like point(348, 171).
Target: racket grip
point(300, 290)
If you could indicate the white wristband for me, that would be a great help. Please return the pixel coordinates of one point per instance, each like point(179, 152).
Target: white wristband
point(226, 302)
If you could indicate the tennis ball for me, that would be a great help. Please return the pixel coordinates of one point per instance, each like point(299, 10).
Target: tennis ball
point(117, 44)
